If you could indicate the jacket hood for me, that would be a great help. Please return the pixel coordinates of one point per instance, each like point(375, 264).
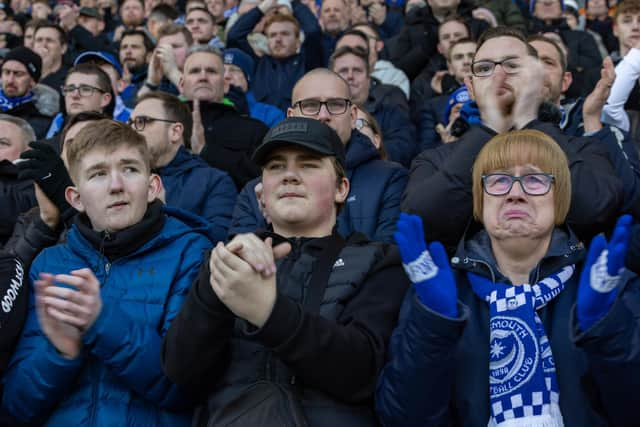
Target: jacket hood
point(360, 150)
point(474, 254)
point(182, 162)
point(47, 100)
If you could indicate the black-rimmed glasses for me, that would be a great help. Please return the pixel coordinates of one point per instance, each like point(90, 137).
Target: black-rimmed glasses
point(311, 107)
point(485, 68)
point(534, 184)
point(84, 90)
point(138, 123)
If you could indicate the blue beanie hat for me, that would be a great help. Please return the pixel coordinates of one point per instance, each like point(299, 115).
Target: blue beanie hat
point(459, 96)
point(532, 5)
point(240, 59)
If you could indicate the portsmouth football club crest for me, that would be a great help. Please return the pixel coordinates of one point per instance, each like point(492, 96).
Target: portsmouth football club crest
point(513, 355)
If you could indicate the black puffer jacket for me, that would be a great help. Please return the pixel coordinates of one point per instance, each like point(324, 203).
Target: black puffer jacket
point(230, 141)
point(334, 357)
point(16, 196)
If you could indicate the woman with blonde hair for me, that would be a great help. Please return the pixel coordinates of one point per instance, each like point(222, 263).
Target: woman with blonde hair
point(523, 330)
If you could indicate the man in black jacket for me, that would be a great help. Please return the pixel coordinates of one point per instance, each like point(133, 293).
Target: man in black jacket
point(507, 84)
point(314, 324)
point(16, 194)
point(223, 138)
point(21, 72)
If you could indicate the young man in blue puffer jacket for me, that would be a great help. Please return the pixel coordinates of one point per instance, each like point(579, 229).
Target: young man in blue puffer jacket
point(101, 303)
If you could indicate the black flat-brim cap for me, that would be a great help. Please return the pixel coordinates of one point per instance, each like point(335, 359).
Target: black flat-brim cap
point(307, 133)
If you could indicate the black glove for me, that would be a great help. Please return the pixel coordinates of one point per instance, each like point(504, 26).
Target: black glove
point(632, 260)
point(45, 167)
point(239, 99)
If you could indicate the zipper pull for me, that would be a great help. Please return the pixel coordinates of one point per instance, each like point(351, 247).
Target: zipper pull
point(107, 267)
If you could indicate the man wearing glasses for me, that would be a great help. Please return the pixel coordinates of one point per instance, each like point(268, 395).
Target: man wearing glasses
point(86, 88)
point(507, 84)
point(373, 204)
point(189, 182)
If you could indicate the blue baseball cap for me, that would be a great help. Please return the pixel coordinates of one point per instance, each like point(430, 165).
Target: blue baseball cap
point(101, 55)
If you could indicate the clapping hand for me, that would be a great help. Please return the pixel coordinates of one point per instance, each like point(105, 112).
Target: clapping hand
point(428, 270)
point(601, 274)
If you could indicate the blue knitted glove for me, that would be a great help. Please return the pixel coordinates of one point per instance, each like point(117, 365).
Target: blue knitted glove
point(601, 274)
point(432, 278)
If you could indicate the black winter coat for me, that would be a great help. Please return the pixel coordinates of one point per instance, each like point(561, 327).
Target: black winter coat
point(230, 141)
point(38, 121)
point(16, 196)
point(334, 357)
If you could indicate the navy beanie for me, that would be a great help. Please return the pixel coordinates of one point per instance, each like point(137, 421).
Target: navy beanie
point(240, 59)
point(28, 58)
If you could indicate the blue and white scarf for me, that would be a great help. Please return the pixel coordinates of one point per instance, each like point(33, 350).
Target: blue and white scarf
point(8, 104)
point(523, 388)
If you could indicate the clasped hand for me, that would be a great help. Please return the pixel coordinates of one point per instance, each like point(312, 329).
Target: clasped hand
point(243, 276)
point(66, 313)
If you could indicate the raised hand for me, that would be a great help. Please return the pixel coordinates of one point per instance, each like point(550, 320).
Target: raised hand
point(197, 134)
point(601, 274)
point(45, 167)
point(428, 270)
point(595, 102)
point(529, 93)
point(243, 290)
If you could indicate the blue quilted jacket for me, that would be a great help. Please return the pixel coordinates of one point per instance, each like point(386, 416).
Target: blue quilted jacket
point(117, 379)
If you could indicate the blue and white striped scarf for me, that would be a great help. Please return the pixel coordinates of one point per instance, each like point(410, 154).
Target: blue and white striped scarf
point(523, 388)
point(8, 104)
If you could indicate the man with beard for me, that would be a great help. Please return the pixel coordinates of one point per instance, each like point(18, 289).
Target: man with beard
point(334, 20)
point(507, 84)
point(189, 182)
point(289, 58)
point(21, 72)
point(131, 15)
point(135, 51)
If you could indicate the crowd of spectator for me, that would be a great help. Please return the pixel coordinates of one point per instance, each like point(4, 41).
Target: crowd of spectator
point(319, 213)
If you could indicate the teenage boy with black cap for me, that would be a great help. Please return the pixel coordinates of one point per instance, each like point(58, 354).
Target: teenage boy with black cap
point(21, 72)
point(311, 327)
